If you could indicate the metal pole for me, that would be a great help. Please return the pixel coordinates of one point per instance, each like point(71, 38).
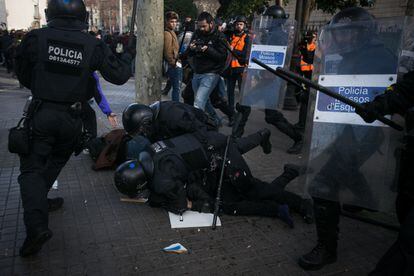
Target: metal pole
point(120, 17)
point(133, 18)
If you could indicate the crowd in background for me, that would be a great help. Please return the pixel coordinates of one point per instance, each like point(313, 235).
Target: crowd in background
point(211, 65)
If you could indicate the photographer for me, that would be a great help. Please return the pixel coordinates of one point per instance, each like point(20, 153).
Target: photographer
point(207, 56)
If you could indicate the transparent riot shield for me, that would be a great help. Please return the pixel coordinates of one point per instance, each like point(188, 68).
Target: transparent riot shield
point(406, 61)
point(349, 160)
point(272, 43)
point(187, 39)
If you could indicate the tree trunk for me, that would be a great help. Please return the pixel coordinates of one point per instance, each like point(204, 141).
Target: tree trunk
point(150, 43)
point(210, 6)
point(308, 6)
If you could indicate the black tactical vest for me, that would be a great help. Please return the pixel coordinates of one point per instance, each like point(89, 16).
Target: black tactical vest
point(63, 68)
point(185, 146)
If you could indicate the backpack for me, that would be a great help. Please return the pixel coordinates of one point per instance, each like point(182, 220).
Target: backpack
point(108, 151)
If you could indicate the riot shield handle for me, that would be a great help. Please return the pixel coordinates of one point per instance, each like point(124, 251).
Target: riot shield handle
point(280, 72)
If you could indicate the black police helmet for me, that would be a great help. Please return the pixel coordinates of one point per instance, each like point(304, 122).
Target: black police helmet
point(353, 14)
point(66, 9)
point(138, 118)
point(130, 178)
point(351, 29)
point(276, 12)
point(241, 18)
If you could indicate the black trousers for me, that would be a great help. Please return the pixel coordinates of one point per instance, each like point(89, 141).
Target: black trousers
point(89, 120)
point(262, 199)
point(399, 259)
point(55, 133)
point(272, 117)
point(232, 80)
point(303, 99)
point(251, 196)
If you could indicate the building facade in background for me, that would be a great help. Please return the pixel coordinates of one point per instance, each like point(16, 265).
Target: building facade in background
point(23, 14)
point(104, 14)
point(382, 8)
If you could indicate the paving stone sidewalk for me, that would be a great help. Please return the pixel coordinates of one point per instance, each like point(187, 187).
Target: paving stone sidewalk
point(96, 234)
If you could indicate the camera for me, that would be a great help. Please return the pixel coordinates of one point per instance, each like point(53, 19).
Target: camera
point(199, 43)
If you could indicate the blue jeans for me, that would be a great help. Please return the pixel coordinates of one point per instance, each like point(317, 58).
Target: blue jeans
point(203, 85)
point(175, 75)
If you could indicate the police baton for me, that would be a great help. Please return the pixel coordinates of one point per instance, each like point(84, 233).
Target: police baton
point(280, 72)
point(218, 198)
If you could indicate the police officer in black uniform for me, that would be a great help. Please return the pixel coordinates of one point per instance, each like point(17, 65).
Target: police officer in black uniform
point(167, 119)
point(361, 54)
point(273, 117)
point(399, 99)
point(182, 168)
point(56, 63)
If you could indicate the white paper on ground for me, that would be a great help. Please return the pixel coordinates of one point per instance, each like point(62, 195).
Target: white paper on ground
point(192, 219)
point(55, 185)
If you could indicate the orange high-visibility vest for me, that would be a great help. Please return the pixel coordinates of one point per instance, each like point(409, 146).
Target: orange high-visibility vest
point(303, 65)
point(237, 43)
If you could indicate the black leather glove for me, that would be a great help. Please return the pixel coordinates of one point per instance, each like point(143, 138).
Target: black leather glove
point(368, 114)
point(202, 206)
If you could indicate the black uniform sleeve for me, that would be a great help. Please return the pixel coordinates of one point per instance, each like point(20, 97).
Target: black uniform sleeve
point(26, 58)
point(181, 120)
point(399, 97)
point(113, 69)
point(169, 181)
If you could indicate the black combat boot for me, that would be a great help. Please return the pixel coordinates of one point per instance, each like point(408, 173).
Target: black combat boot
point(298, 169)
point(296, 148)
point(327, 220)
point(319, 256)
point(240, 119)
point(34, 242)
point(265, 142)
point(54, 203)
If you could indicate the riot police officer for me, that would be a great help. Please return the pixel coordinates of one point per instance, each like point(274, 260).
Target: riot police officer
point(351, 36)
point(273, 117)
point(55, 63)
point(167, 119)
point(399, 99)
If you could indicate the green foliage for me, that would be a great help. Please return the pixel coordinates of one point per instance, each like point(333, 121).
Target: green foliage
point(245, 7)
point(249, 7)
point(182, 7)
point(332, 6)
